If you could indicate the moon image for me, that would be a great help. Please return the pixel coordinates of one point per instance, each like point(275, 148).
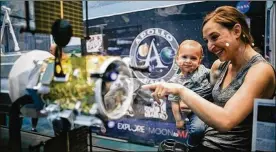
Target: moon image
point(143, 50)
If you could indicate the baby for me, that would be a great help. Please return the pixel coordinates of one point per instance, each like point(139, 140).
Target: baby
point(194, 76)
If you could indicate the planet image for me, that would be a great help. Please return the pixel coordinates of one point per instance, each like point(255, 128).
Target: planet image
point(167, 55)
point(143, 50)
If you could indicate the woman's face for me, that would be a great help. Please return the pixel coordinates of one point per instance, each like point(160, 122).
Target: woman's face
point(221, 41)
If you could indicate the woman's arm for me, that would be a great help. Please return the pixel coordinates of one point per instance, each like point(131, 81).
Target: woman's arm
point(236, 109)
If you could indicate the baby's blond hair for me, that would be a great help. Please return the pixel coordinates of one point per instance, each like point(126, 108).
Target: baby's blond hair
point(191, 43)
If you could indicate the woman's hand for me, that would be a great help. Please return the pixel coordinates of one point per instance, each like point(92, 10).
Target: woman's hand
point(161, 90)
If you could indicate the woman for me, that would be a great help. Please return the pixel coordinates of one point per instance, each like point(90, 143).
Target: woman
point(244, 75)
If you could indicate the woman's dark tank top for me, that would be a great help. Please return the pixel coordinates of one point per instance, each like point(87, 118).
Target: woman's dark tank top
point(239, 138)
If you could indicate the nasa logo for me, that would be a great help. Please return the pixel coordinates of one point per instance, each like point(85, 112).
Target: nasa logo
point(158, 55)
point(243, 6)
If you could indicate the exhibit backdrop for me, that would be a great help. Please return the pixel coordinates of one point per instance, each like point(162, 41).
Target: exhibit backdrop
point(151, 38)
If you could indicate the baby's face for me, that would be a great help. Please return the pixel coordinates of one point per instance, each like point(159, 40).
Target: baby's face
point(188, 59)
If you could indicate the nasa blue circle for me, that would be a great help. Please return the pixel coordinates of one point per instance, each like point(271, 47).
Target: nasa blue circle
point(243, 6)
point(166, 55)
point(111, 124)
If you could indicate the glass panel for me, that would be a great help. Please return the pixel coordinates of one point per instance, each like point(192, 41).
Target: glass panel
point(17, 9)
point(145, 37)
point(26, 41)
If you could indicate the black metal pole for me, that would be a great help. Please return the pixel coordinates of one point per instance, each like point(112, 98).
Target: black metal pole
point(15, 123)
point(27, 14)
point(90, 139)
point(86, 21)
point(27, 19)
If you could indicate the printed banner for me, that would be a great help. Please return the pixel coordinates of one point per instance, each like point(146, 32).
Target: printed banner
point(95, 43)
point(155, 48)
point(137, 130)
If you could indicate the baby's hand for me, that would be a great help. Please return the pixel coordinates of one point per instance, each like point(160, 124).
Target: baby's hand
point(184, 108)
point(182, 105)
point(180, 124)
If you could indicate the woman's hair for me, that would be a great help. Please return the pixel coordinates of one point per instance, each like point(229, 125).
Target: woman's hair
point(228, 16)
